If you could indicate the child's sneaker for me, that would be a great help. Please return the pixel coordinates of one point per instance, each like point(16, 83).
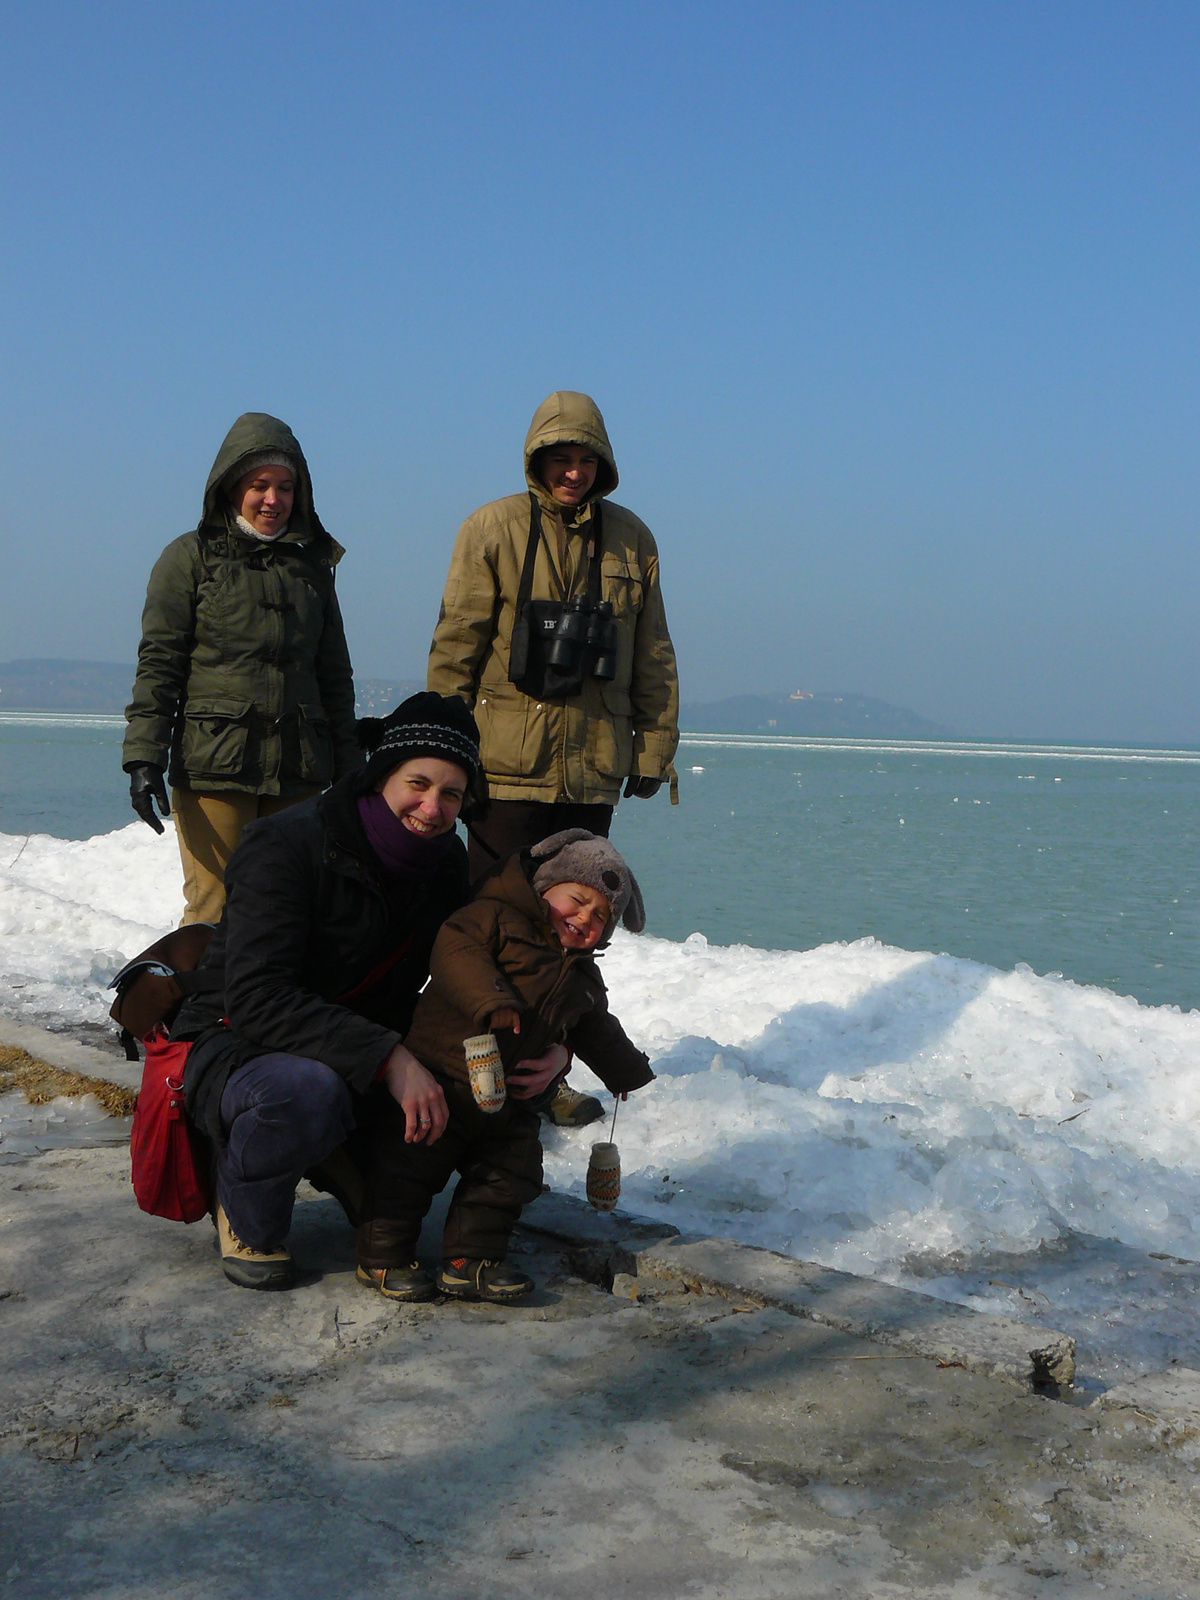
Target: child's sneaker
point(468, 1279)
point(398, 1283)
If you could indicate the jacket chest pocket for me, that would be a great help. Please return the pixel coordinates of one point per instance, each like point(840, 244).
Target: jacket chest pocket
point(303, 616)
point(214, 737)
point(222, 610)
point(316, 746)
point(621, 583)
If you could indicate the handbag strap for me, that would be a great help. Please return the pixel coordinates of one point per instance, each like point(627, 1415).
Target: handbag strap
point(376, 973)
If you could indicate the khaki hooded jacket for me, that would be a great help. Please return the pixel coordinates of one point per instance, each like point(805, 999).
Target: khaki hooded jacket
point(581, 748)
point(244, 682)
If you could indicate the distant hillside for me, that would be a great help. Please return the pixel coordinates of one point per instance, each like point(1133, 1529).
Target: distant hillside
point(64, 686)
point(832, 715)
point(105, 686)
point(377, 696)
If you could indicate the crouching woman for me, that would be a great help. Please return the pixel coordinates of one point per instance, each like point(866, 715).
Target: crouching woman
point(331, 912)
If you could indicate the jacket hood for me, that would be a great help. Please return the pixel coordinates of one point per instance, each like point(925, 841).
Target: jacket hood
point(566, 417)
point(255, 433)
point(510, 885)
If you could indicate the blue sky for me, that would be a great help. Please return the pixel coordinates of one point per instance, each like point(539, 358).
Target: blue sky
point(891, 310)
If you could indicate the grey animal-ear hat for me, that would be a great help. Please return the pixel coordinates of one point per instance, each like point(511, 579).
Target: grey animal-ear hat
point(577, 856)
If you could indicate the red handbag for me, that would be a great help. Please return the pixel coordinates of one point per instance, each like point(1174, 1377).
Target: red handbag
point(169, 1159)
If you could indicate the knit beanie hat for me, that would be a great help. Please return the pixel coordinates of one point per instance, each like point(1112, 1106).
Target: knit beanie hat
point(251, 463)
point(577, 856)
point(425, 724)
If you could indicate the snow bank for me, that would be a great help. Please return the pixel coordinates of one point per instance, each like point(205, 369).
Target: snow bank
point(72, 912)
point(866, 1106)
point(861, 1105)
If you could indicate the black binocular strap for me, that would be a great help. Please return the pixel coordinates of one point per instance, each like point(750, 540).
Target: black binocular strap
point(481, 842)
point(525, 587)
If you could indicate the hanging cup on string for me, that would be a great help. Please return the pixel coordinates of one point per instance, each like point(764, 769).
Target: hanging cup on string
point(485, 1070)
point(604, 1177)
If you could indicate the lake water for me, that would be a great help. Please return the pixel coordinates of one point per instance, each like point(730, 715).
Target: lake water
point(1073, 860)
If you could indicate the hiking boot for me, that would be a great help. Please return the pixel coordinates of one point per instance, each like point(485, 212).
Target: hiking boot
point(398, 1283)
point(571, 1109)
point(468, 1279)
point(338, 1176)
point(252, 1269)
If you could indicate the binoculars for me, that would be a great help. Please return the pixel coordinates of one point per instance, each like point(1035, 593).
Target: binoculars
point(581, 627)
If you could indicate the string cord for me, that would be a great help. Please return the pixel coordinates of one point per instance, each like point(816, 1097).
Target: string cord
point(616, 1108)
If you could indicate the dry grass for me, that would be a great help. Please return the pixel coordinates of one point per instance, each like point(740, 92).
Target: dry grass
point(40, 1082)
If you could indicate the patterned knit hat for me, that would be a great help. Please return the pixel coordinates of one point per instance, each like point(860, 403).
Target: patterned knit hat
point(577, 856)
point(425, 724)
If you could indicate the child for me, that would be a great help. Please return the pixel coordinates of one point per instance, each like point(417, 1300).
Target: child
point(517, 961)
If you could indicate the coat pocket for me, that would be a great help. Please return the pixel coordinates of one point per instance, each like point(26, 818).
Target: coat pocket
point(214, 737)
point(610, 738)
point(316, 745)
point(621, 583)
point(514, 738)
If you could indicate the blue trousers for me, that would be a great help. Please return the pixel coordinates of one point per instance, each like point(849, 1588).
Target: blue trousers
point(282, 1114)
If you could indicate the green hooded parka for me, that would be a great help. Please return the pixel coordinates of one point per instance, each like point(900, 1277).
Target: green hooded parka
point(244, 681)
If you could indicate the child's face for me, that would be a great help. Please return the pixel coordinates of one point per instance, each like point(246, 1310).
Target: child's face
point(579, 914)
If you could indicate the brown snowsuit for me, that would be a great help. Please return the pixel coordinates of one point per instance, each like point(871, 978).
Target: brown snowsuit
point(498, 952)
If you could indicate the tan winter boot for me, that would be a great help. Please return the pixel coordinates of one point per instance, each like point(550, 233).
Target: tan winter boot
point(571, 1109)
point(252, 1269)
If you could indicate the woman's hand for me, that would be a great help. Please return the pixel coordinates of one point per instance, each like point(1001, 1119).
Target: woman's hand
point(528, 1078)
point(419, 1094)
point(146, 787)
point(508, 1017)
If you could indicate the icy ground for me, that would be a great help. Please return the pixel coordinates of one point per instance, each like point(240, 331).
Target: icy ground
point(165, 1436)
point(1015, 1142)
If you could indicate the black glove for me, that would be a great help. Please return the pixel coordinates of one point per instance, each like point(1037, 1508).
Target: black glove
point(642, 788)
point(145, 787)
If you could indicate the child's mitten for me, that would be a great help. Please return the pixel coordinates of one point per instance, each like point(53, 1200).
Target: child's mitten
point(604, 1177)
point(485, 1070)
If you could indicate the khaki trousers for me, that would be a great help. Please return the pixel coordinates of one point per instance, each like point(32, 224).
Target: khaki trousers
point(208, 826)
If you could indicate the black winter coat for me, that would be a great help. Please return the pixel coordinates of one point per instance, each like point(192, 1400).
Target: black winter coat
point(322, 958)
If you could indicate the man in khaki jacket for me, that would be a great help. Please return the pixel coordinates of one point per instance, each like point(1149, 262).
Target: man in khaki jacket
point(556, 756)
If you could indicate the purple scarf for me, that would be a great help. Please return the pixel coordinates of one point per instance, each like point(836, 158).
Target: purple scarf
point(402, 854)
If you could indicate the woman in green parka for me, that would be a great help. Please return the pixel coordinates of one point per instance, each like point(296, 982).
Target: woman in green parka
point(244, 695)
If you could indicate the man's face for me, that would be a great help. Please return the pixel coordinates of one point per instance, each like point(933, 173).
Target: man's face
point(568, 471)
